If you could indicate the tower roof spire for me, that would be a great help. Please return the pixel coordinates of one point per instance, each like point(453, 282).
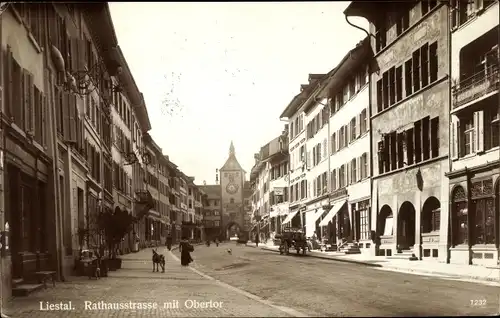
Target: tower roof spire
point(231, 149)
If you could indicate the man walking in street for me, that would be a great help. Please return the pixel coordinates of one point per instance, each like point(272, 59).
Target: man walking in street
point(168, 241)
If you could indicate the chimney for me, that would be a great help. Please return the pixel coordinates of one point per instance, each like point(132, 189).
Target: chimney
point(204, 182)
point(216, 176)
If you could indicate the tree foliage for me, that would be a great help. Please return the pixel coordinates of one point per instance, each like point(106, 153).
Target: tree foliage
point(115, 225)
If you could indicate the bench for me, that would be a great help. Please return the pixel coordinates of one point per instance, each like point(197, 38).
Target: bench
point(43, 276)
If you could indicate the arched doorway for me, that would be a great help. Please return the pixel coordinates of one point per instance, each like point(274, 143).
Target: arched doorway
point(459, 217)
point(406, 226)
point(385, 221)
point(233, 229)
point(430, 216)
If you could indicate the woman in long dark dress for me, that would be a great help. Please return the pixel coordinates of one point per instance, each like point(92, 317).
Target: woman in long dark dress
point(185, 248)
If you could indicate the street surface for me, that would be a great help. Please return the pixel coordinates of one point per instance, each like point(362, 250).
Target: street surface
point(136, 283)
point(328, 288)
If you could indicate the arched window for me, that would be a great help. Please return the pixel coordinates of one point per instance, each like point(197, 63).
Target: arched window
point(431, 214)
point(459, 216)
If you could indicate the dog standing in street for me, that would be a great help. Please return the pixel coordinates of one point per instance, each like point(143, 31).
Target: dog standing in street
point(158, 260)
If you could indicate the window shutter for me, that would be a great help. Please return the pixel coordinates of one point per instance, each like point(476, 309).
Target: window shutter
point(22, 119)
point(66, 115)
point(72, 117)
point(325, 148)
point(453, 15)
point(358, 125)
point(30, 114)
point(348, 133)
point(43, 112)
point(81, 54)
point(367, 119)
point(479, 5)
point(8, 81)
point(454, 140)
point(479, 127)
point(358, 168)
point(347, 173)
point(75, 55)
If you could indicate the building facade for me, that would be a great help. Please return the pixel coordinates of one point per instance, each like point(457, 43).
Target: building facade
point(269, 185)
point(474, 134)
point(259, 179)
point(338, 143)
point(212, 208)
point(154, 220)
point(410, 102)
point(297, 154)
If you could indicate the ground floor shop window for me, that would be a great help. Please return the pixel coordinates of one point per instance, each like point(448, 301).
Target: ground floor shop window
point(364, 220)
point(484, 217)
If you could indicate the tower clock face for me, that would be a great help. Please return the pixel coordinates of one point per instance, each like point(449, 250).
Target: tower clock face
point(232, 188)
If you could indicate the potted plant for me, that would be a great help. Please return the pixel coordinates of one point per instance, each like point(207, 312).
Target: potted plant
point(81, 235)
point(115, 226)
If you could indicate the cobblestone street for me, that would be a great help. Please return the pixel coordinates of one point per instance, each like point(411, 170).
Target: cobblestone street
point(136, 283)
point(328, 288)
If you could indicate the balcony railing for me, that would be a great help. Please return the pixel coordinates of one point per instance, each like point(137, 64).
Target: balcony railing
point(476, 86)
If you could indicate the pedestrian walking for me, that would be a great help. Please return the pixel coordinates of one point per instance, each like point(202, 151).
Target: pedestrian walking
point(216, 241)
point(185, 248)
point(168, 242)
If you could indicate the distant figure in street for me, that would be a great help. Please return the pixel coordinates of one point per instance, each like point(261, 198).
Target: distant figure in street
point(257, 240)
point(208, 242)
point(216, 241)
point(185, 248)
point(168, 242)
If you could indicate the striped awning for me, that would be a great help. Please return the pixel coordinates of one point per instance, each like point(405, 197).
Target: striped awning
point(333, 211)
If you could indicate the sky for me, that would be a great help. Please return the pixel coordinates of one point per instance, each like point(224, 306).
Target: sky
point(212, 73)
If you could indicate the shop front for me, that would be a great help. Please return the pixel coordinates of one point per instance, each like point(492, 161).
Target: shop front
point(29, 211)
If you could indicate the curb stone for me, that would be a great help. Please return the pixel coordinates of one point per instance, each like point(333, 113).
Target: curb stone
point(331, 258)
point(398, 269)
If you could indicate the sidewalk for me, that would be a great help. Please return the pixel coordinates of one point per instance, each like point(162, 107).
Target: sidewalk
point(478, 273)
point(179, 292)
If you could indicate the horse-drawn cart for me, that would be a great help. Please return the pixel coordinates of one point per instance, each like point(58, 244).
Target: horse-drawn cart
point(292, 238)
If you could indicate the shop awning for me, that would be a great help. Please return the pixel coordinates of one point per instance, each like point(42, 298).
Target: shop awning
point(317, 215)
point(289, 217)
point(154, 218)
point(283, 212)
point(333, 211)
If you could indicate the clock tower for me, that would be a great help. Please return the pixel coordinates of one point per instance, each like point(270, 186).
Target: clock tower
point(232, 181)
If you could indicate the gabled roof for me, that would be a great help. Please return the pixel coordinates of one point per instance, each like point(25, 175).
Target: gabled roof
point(213, 191)
point(231, 164)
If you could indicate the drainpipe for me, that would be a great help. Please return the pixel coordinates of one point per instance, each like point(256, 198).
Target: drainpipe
point(370, 134)
point(449, 238)
point(58, 205)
